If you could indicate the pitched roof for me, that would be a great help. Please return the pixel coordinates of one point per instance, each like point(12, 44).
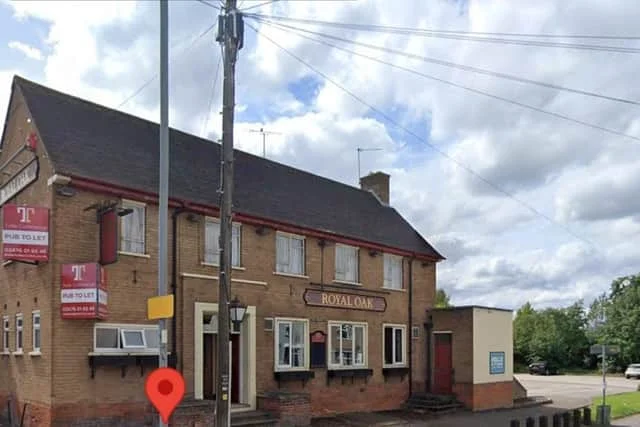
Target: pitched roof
point(92, 141)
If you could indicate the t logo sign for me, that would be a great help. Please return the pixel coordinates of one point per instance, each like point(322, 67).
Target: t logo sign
point(78, 272)
point(25, 214)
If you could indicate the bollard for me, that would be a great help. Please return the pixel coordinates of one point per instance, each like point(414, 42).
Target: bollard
point(587, 416)
point(531, 422)
point(515, 423)
point(556, 420)
point(577, 418)
point(566, 419)
point(543, 421)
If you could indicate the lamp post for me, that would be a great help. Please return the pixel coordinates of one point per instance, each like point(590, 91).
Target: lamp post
point(237, 311)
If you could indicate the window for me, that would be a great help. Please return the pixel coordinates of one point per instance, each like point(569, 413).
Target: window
point(347, 345)
point(392, 271)
point(125, 338)
point(291, 344)
point(36, 337)
point(347, 263)
point(394, 345)
point(132, 234)
point(289, 254)
point(5, 334)
point(212, 243)
point(19, 333)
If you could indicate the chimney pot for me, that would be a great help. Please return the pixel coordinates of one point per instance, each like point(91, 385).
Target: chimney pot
point(378, 182)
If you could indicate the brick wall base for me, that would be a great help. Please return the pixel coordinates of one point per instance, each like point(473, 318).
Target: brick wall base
point(493, 396)
point(293, 409)
point(464, 393)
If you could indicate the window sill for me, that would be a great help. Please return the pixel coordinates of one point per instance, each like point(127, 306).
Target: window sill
point(349, 372)
point(395, 370)
point(134, 254)
point(5, 353)
point(233, 267)
point(394, 289)
point(293, 375)
point(346, 282)
point(297, 276)
point(35, 354)
point(124, 360)
point(18, 353)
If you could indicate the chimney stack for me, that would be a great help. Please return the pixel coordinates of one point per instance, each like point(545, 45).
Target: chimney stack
point(378, 182)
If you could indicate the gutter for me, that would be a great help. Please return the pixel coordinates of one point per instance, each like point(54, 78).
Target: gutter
point(174, 279)
point(410, 323)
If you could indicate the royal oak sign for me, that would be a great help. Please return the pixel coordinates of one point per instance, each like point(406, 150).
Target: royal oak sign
point(344, 300)
point(19, 181)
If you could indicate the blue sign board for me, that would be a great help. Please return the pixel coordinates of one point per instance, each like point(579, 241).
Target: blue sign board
point(496, 362)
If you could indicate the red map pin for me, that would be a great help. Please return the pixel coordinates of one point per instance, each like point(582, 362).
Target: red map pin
point(165, 389)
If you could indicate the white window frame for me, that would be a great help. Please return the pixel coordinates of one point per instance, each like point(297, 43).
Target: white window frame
point(19, 334)
point(389, 281)
point(305, 343)
point(36, 327)
point(122, 347)
point(236, 242)
point(365, 345)
point(356, 249)
point(133, 205)
point(394, 327)
point(6, 334)
point(288, 270)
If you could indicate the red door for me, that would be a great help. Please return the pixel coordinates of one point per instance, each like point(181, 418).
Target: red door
point(235, 368)
point(442, 364)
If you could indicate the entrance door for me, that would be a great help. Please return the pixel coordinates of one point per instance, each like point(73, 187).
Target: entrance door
point(442, 364)
point(235, 368)
point(209, 352)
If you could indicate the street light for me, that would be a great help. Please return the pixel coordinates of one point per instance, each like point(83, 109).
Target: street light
point(237, 311)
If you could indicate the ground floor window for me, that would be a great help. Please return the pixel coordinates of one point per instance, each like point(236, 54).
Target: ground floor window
point(291, 344)
point(125, 338)
point(394, 345)
point(19, 332)
point(36, 336)
point(5, 334)
point(347, 344)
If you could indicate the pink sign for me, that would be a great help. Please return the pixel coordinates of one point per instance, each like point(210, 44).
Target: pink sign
point(84, 291)
point(25, 233)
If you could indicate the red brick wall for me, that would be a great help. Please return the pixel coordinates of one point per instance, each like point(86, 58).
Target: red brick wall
point(493, 396)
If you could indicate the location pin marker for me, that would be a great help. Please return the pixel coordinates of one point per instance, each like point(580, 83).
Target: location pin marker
point(165, 389)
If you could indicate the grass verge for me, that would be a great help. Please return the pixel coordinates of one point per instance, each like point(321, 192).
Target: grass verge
point(622, 405)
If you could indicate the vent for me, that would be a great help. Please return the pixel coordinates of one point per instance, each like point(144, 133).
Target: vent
point(268, 324)
point(415, 332)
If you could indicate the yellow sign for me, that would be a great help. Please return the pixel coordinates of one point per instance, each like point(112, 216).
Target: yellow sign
point(160, 307)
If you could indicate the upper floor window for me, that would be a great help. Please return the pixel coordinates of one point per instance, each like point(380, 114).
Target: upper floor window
point(289, 254)
point(291, 344)
point(347, 263)
point(392, 271)
point(125, 338)
point(347, 344)
point(19, 332)
point(5, 334)
point(132, 228)
point(37, 336)
point(212, 243)
point(395, 345)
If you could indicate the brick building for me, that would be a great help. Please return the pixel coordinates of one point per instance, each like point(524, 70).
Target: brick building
point(336, 282)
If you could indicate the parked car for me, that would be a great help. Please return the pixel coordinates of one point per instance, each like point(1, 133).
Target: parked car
point(633, 370)
point(543, 368)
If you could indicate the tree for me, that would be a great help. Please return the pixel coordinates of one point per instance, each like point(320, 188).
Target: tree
point(523, 328)
point(442, 299)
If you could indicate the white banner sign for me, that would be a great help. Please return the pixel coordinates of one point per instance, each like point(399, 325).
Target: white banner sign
point(25, 177)
point(17, 237)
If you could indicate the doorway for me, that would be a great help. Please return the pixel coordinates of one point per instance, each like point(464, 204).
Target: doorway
point(210, 365)
point(442, 364)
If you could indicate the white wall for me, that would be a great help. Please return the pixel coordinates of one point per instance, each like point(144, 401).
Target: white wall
point(492, 332)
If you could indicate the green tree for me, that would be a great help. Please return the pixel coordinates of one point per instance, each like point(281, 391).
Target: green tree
point(523, 329)
point(442, 299)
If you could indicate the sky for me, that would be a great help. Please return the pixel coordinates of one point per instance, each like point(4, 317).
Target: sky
point(525, 206)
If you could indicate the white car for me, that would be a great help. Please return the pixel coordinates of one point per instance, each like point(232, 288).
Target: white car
point(633, 370)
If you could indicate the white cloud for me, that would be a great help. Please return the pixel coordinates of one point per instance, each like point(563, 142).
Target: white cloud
point(29, 51)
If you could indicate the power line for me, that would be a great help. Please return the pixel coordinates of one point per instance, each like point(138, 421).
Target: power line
point(477, 91)
point(206, 3)
point(460, 36)
point(213, 93)
point(435, 148)
point(155, 76)
point(460, 66)
point(255, 6)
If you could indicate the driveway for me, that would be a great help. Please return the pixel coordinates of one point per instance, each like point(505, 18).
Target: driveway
point(574, 388)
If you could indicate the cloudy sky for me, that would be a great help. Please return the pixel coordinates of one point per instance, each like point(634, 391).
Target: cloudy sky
point(525, 205)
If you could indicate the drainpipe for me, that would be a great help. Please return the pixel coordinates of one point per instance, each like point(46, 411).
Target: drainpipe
point(428, 328)
point(174, 279)
point(410, 334)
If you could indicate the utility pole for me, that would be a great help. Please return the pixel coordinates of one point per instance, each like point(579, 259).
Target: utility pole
point(264, 136)
point(360, 150)
point(230, 35)
point(163, 203)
